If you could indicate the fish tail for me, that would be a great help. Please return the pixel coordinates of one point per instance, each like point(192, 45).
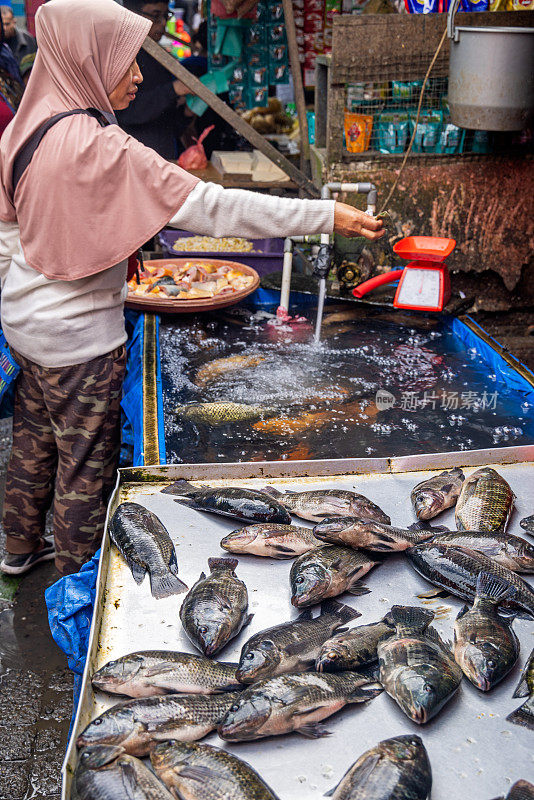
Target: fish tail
point(417, 619)
point(524, 715)
point(493, 588)
point(166, 585)
point(181, 487)
point(343, 613)
point(272, 490)
point(222, 563)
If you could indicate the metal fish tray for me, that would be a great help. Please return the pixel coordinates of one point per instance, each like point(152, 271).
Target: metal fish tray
point(473, 750)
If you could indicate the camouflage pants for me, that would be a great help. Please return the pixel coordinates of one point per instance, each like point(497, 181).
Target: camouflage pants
point(66, 431)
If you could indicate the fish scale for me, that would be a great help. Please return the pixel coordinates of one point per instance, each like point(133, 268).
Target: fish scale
point(106, 773)
point(352, 649)
point(134, 724)
point(456, 569)
point(505, 549)
point(396, 769)
point(210, 773)
point(485, 502)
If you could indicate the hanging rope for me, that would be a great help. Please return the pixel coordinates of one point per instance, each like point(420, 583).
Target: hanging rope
point(407, 153)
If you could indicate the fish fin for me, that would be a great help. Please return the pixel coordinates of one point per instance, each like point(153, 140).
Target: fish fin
point(433, 635)
point(371, 671)
point(162, 666)
point(358, 589)
point(296, 648)
point(330, 792)
point(292, 696)
point(138, 572)
point(305, 615)
point(522, 689)
point(180, 487)
point(463, 611)
point(493, 588)
point(433, 593)
point(364, 772)
point(186, 501)
point(417, 619)
point(343, 613)
point(223, 563)
point(446, 489)
point(313, 730)
point(426, 526)
point(366, 692)
point(524, 715)
point(173, 563)
point(272, 490)
point(283, 550)
point(129, 780)
point(202, 774)
point(166, 585)
point(248, 620)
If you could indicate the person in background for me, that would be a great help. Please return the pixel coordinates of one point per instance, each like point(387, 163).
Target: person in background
point(11, 86)
point(88, 199)
point(22, 44)
point(156, 118)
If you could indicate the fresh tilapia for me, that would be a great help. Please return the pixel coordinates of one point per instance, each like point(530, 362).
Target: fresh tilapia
point(369, 534)
point(221, 413)
point(396, 769)
point(416, 667)
point(353, 649)
point(202, 772)
point(250, 505)
point(292, 646)
point(144, 543)
point(434, 495)
point(485, 502)
point(318, 503)
point(485, 646)
point(326, 572)
point(505, 549)
point(106, 772)
point(212, 371)
point(524, 715)
point(527, 523)
point(216, 607)
point(293, 703)
point(274, 541)
point(151, 672)
point(456, 569)
point(135, 724)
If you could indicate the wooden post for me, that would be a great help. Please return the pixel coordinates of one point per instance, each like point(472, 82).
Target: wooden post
point(256, 139)
point(296, 72)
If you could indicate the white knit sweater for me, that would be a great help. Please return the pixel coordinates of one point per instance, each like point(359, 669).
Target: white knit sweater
point(59, 323)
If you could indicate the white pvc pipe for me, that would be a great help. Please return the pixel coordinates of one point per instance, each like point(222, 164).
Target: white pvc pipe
point(286, 277)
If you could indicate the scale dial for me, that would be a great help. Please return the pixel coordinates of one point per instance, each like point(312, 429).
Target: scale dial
point(420, 288)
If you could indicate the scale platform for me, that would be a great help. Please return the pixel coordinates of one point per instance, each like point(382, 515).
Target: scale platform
point(425, 282)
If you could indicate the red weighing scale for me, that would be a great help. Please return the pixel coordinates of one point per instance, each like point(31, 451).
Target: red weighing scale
point(424, 284)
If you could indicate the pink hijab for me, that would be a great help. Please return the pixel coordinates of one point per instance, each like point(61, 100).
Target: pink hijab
point(91, 196)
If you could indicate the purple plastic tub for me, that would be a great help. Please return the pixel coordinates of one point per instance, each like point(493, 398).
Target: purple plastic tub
point(267, 256)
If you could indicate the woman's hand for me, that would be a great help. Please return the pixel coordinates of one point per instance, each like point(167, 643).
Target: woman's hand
point(349, 221)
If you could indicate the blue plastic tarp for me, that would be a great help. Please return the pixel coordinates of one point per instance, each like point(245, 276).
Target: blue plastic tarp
point(70, 603)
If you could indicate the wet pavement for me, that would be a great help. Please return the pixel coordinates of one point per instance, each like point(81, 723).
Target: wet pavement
point(35, 682)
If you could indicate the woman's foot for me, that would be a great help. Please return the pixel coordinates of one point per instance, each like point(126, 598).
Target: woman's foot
point(19, 564)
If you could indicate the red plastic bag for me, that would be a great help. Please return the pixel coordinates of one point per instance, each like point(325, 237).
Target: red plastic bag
point(195, 157)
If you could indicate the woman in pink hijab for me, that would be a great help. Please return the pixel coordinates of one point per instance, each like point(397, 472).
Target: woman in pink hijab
point(89, 197)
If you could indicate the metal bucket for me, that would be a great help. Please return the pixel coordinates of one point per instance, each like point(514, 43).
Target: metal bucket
point(491, 76)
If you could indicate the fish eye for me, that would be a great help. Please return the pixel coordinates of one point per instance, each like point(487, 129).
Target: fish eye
point(249, 656)
point(428, 687)
point(300, 579)
point(234, 708)
point(491, 663)
point(203, 629)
